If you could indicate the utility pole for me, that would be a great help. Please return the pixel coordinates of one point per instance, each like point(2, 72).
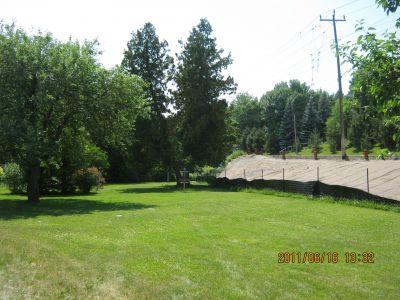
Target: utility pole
point(343, 139)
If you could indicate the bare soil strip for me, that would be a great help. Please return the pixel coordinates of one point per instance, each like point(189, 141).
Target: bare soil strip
point(384, 176)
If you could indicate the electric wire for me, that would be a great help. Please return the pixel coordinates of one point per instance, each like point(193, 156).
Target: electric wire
point(300, 42)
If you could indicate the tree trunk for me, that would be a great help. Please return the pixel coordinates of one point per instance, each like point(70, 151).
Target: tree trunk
point(177, 176)
point(33, 181)
point(65, 180)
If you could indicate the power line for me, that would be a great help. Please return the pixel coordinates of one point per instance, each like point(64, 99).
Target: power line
point(358, 10)
point(347, 4)
point(297, 37)
point(305, 32)
point(291, 53)
point(304, 44)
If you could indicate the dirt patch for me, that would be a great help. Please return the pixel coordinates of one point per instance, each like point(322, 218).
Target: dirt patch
point(384, 176)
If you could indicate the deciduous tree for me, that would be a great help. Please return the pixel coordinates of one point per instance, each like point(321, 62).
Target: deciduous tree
point(48, 86)
point(376, 70)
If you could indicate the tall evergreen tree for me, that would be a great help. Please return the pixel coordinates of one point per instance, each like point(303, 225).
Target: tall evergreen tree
point(200, 84)
point(325, 103)
point(147, 56)
point(287, 128)
point(310, 120)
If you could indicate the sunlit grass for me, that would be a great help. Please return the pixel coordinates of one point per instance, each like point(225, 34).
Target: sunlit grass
point(154, 241)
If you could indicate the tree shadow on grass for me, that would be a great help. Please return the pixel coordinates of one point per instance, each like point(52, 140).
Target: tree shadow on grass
point(20, 209)
point(145, 190)
point(171, 189)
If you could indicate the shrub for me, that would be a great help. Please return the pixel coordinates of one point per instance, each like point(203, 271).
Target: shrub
point(384, 154)
point(14, 178)
point(204, 173)
point(235, 154)
point(86, 179)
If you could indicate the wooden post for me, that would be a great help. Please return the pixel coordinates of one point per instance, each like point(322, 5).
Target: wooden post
point(367, 181)
point(225, 173)
point(317, 173)
point(244, 173)
point(283, 178)
point(184, 178)
point(262, 174)
point(168, 176)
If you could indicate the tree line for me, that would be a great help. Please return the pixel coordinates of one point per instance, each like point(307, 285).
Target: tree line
point(282, 119)
point(65, 120)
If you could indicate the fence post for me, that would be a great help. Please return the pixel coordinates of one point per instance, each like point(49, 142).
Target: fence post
point(168, 176)
point(367, 181)
point(283, 178)
point(262, 174)
point(244, 173)
point(317, 173)
point(225, 172)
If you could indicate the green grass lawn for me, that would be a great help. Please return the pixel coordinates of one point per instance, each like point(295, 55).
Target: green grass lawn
point(152, 241)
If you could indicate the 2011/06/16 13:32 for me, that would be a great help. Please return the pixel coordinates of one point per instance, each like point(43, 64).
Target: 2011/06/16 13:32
point(366, 257)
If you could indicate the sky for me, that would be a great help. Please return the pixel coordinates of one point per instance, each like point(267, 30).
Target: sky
point(270, 40)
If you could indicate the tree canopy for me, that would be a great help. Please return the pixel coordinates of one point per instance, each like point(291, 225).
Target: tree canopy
point(48, 87)
point(376, 69)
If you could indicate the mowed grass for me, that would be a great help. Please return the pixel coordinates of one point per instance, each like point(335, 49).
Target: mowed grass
point(153, 241)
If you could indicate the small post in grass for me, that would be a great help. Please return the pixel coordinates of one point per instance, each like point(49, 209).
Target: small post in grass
point(184, 178)
point(244, 173)
point(225, 172)
point(283, 178)
point(168, 176)
point(262, 174)
point(367, 181)
point(317, 173)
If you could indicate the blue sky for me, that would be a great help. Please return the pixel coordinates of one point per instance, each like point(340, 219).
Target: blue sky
point(270, 41)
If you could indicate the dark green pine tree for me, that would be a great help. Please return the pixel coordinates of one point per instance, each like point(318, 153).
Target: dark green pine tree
point(310, 120)
point(148, 57)
point(200, 109)
point(256, 140)
point(325, 103)
point(287, 128)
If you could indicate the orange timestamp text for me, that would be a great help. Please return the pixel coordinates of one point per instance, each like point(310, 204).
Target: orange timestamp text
point(350, 257)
